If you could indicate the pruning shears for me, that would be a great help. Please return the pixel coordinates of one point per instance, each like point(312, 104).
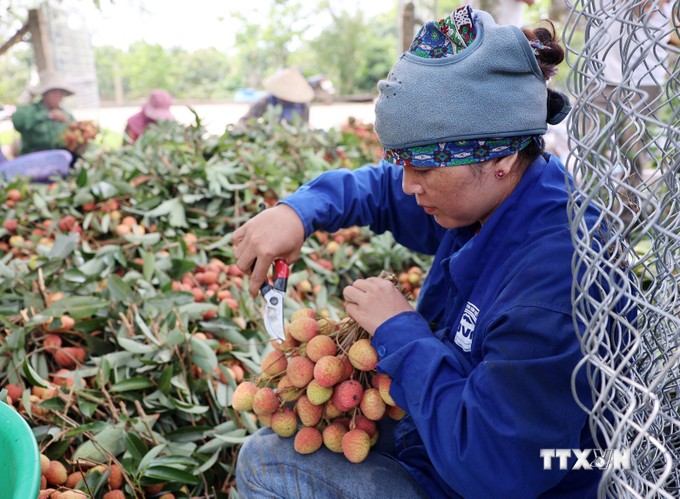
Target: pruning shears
point(273, 294)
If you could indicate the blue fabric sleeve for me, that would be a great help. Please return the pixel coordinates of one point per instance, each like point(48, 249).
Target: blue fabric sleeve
point(370, 195)
point(483, 429)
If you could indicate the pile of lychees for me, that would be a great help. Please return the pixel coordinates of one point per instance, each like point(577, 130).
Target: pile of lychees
point(320, 385)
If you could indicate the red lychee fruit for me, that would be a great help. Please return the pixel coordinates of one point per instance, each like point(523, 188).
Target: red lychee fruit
point(273, 363)
point(332, 436)
point(286, 391)
point(52, 342)
point(348, 368)
point(304, 329)
point(14, 391)
point(347, 395)
point(318, 394)
point(383, 382)
point(284, 422)
point(265, 401)
point(310, 414)
point(308, 440)
point(115, 477)
point(287, 345)
point(372, 405)
point(330, 411)
point(265, 420)
point(44, 463)
point(320, 346)
point(300, 371)
point(363, 423)
point(10, 225)
point(355, 445)
point(70, 357)
point(56, 473)
point(328, 370)
point(242, 400)
point(395, 412)
point(73, 479)
point(303, 312)
point(114, 494)
point(363, 356)
point(67, 223)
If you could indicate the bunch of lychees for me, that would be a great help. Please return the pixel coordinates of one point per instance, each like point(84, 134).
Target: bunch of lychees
point(320, 385)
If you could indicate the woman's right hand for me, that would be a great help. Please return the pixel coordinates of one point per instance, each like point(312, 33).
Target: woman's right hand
point(276, 232)
point(57, 115)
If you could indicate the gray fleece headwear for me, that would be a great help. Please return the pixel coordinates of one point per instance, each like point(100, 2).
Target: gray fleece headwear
point(492, 88)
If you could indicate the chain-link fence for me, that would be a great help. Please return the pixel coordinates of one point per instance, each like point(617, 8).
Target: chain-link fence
point(624, 142)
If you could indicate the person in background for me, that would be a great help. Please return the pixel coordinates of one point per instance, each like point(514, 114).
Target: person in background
point(635, 68)
point(485, 365)
point(42, 124)
point(508, 11)
point(288, 91)
point(156, 109)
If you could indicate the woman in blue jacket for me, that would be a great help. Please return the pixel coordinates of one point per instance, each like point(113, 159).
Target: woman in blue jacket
point(483, 366)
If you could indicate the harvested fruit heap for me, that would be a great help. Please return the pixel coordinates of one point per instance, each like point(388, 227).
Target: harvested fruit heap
point(321, 385)
point(78, 134)
point(125, 325)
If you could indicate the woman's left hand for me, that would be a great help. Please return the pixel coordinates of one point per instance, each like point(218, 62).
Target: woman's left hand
point(372, 301)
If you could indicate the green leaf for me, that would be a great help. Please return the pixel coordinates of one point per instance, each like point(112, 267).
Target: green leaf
point(164, 383)
point(110, 440)
point(202, 355)
point(77, 307)
point(64, 244)
point(135, 346)
point(196, 310)
point(33, 377)
point(180, 267)
point(144, 239)
point(149, 264)
point(135, 446)
point(93, 427)
point(119, 290)
point(137, 383)
point(172, 475)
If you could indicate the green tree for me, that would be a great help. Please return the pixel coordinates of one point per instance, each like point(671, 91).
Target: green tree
point(265, 45)
point(106, 59)
point(15, 68)
point(200, 74)
point(355, 52)
point(146, 66)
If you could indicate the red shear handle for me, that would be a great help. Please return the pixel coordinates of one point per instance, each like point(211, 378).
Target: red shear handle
point(281, 270)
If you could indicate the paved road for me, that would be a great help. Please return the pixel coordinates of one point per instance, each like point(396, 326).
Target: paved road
point(216, 117)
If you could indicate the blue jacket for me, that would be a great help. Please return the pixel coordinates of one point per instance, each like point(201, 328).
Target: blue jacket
point(484, 367)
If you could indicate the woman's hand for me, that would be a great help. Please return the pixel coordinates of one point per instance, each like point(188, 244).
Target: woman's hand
point(57, 115)
point(275, 233)
point(372, 301)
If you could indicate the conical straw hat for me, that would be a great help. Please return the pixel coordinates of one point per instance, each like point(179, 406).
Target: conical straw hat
point(289, 85)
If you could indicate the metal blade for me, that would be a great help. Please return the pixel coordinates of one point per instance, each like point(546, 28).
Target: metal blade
point(273, 314)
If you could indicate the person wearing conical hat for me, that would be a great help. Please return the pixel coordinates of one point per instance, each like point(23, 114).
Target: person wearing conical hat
point(487, 367)
point(42, 123)
point(155, 110)
point(288, 92)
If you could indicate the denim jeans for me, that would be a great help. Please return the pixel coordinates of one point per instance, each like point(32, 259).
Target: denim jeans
point(268, 466)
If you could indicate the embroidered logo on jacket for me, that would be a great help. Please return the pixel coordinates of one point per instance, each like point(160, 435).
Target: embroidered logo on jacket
point(466, 327)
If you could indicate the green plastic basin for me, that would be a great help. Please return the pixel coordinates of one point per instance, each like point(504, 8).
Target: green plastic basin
point(20, 462)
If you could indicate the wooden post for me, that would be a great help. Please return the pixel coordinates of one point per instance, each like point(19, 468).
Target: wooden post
point(408, 20)
point(118, 84)
point(40, 40)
